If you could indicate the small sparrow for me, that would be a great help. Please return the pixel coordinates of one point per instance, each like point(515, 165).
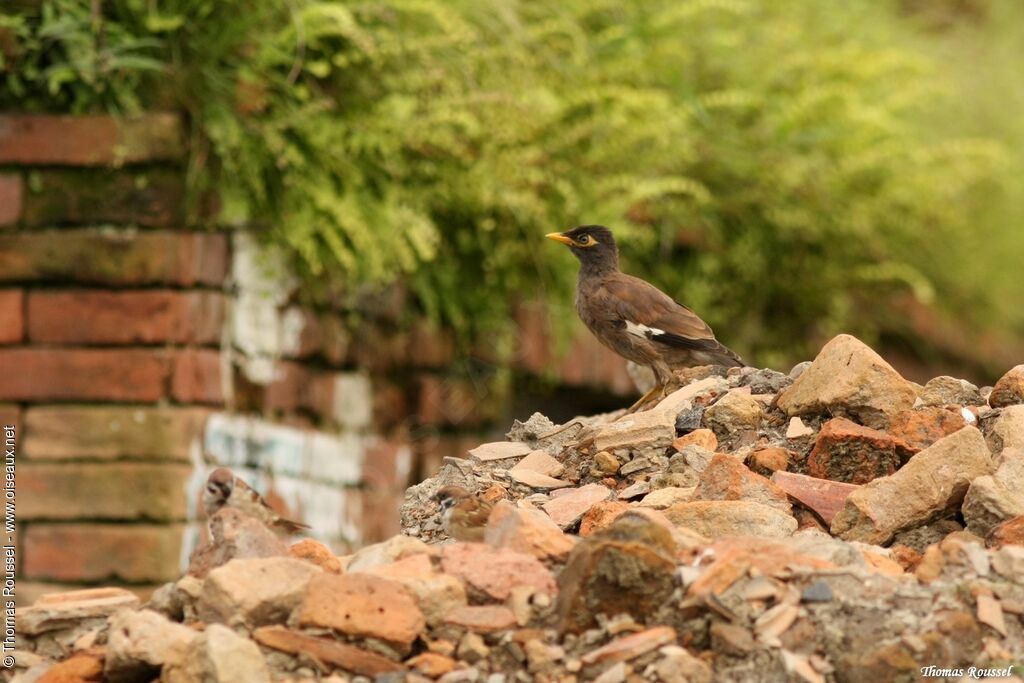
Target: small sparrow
point(224, 489)
point(463, 515)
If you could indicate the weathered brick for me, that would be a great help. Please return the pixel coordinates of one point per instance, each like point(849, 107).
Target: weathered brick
point(198, 377)
point(143, 317)
point(102, 552)
point(30, 591)
point(323, 335)
point(12, 316)
point(387, 465)
point(114, 257)
point(111, 432)
point(42, 374)
point(456, 402)
point(152, 198)
point(95, 140)
point(10, 199)
point(585, 363)
point(10, 414)
point(122, 491)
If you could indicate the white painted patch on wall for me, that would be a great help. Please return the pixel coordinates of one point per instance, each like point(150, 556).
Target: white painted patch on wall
point(353, 400)
point(310, 470)
point(260, 331)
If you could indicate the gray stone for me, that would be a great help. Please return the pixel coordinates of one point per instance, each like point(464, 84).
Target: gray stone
point(950, 391)
point(688, 420)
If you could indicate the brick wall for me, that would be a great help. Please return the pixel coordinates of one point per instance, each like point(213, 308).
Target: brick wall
point(136, 353)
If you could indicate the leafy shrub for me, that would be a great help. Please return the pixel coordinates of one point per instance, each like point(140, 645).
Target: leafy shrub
point(761, 160)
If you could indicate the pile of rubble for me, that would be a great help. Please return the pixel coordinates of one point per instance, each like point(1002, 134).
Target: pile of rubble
point(839, 523)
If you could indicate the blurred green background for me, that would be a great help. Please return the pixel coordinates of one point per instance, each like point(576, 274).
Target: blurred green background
point(788, 169)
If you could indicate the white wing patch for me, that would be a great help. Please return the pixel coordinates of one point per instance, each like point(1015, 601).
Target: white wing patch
point(642, 330)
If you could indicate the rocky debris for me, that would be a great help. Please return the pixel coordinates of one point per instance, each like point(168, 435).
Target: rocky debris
point(825, 498)
point(714, 518)
point(527, 531)
point(316, 553)
point(326, 650)
point(234, 536)
point(568, 509)
point(849, 379)
point(62, 610)
point(494, 573)
point(1010, 532)
point(361, 605)
point(627, 567)
point(687, 542)
point(140, 643)
point(726, 478)
point(1009, 389)
point(932, 484)
point(735, 416)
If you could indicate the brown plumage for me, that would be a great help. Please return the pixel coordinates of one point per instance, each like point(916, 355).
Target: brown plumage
point(224, 489)
point(463, 515)
point(634, 318)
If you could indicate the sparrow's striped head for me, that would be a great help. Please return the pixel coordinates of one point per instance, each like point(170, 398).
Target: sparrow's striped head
point(448, 496)
point(219, 484)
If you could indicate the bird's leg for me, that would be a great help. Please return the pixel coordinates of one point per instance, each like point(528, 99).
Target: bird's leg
point(654, 391)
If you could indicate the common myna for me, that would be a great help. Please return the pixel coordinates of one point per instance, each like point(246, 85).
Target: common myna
point(634, 318)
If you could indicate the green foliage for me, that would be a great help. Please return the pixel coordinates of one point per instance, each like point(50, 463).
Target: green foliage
point(762, 160)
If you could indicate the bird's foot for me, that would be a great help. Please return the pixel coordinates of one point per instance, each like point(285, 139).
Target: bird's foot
point(656, 392)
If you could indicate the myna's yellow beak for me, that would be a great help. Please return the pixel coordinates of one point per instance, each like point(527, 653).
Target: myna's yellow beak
point(559, 237)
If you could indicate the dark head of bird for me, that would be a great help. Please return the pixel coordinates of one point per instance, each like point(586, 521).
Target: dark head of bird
point(593, 245)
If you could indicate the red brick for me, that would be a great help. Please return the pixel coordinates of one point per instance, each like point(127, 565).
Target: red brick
point(114, 257)
point(41, 374)
point(10, 199)
point(325, 336)
point(198, 377)
point(585, 363)
point(392, 405)
point(151, 198)
point(102, 552)
point(430, 346)
point(143, 317)
point(121, 491)
point(90, 140)
point(12, 316)
point(111, 432)
point(298, 388)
